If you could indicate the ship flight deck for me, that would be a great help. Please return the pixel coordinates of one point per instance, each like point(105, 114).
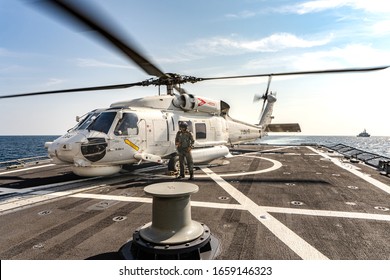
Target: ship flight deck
point(267, 203)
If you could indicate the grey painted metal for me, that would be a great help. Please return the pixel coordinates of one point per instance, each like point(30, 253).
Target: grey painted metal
point(171, 216)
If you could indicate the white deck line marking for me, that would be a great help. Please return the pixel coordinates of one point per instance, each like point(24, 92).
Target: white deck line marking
point(112, 197)
point(309, 212)
point(42, 188)
point(28, 168)
point(361, 175)
point(276, 165)
point(290, 238)
point(149, 200)
point(274, 149)
point(37, 197)
point(328, 213)
point(262, 151)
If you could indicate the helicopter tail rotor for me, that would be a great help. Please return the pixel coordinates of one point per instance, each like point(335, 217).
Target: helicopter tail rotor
point(268, 99)
point(258, 97)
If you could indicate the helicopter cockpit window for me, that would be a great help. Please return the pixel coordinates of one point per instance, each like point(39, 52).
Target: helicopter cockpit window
point(200, 129)
point(127, 125)
point(84, 123)
point(103, 122)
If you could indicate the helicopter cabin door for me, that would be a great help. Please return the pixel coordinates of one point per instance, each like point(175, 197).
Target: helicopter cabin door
point(218, 129)
point(157, 136)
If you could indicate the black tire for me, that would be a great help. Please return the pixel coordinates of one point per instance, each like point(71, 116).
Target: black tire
point(173, 164)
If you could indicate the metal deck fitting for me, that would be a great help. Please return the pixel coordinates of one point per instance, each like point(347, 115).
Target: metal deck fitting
point(172, 234)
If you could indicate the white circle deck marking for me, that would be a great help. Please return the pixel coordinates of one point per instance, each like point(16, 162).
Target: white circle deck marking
point(276, 165)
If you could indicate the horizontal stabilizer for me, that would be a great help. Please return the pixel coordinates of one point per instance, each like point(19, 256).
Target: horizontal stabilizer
point(283, 127)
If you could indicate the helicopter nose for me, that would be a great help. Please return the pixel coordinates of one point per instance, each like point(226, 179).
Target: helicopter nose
point(66, 148)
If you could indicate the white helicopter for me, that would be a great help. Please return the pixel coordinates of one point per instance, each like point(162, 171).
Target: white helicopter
point(144, 129)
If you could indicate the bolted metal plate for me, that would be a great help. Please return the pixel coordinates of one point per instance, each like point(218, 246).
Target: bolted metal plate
point(38, 246)
point(129, 194)
point(44, 212)
point(381, 208)
point(350, 203)
point(102, 205)
point(119, 218)
point(296, 203)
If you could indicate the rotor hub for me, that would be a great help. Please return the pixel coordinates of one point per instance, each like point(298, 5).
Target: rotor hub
point(171, 79)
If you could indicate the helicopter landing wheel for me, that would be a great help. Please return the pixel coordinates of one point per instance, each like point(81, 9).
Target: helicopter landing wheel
point(174, 164)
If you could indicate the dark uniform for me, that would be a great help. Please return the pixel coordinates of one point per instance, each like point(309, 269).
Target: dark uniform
point(184, 143)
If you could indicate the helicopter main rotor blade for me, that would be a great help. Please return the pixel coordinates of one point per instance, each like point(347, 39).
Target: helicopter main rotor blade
point(118, 86)
point(345, 70)
point(99, 23)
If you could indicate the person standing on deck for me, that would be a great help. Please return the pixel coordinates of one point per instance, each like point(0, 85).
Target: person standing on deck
point(184, 143)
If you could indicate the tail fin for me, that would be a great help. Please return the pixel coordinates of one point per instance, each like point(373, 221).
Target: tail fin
point(266, 118)
point(266, 113)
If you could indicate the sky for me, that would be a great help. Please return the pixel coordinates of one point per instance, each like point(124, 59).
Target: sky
point(40, 51)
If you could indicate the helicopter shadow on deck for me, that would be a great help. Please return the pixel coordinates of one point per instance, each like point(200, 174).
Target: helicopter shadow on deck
point(20, 182)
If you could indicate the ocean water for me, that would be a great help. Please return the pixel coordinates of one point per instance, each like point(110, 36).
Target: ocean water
point(375, 144)
point(17, 147)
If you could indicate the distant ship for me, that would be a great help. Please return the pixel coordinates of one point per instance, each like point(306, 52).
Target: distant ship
point(363, 134)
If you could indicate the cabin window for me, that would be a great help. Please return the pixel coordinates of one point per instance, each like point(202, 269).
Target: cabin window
point(127, 125)
point(200, 129)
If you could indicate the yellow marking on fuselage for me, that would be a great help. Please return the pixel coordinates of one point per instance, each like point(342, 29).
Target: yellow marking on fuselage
point(131, 144)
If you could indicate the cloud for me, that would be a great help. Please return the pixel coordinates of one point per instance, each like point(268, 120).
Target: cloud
point(352, 55)
point(317, 6)
point(87, 62)
point(372, 6)
point(180, 56)
point(53, 81)
point(11, 69)
point(241, 15)
point(381, 27)
point(7, 53)
point(349, 56)
point(3, 52)
point(272, 43)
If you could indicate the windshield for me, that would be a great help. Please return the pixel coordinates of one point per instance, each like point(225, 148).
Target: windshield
point(103, 122)
point(83, 124)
